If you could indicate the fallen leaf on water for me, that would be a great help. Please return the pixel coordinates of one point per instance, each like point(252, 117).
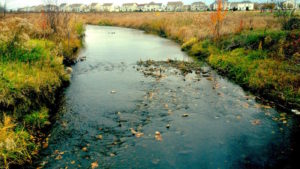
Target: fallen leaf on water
point(72, 162)
point(256, 122)
point(138, 134)
point(45, 145)
point(238, 117)
point(59, 157)
point(266, 106)
point(158, 136)
point(100, 137)
point(95, 165)
point(84, 149)
point(133, 131)
point(112, 154)
point(166, 106)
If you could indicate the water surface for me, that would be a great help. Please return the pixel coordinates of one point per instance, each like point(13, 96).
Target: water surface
point(110, 95)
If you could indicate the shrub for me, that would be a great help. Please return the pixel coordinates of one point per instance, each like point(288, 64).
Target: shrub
point(292, 24)
point(188, 45)
point(200, 49)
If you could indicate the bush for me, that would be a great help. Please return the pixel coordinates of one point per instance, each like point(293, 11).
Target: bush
point(292, 24)
point(200, 50)
point(188, 45)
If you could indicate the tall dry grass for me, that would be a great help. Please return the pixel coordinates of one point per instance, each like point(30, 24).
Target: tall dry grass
point(183, 26)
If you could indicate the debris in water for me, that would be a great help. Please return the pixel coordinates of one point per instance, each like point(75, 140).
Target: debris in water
point(84, 149)
point(185, 115)
point(59, 157)
point(168, 126)
point(94, 165)
point(69, 70)
point(100, 137)
point(158, 136)
point(112, 154)
point(256, 122)
point(133, 131)
point(113, 92)
point(73, 162)
point(166, 106)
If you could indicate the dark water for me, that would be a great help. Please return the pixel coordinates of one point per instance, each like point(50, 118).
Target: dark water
point(225, 127)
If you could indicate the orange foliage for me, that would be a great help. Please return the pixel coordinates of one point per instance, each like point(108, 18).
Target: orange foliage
point(217, 19)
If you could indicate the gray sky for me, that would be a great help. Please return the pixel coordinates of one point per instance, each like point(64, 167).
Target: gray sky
point(13, 4)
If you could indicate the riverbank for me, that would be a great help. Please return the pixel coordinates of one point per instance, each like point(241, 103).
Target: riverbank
point(32, 76)
point(254, 52)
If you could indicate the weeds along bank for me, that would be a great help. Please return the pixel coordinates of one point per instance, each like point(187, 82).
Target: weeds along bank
point(256, 50)
point(32, 52)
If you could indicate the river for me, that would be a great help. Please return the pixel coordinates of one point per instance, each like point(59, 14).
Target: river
point(111, 114)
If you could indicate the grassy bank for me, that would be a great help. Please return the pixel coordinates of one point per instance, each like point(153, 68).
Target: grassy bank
point(253, 50)
point(31, 75)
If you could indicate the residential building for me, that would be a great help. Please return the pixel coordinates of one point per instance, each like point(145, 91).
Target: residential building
point(129, 7)
point(187, 7)
point(242, 6)
point(225, 5)
point(174, 6)
point(199, 6)
point(63, 7)
point(95, 7)
point(152, 6)
point(108, 7)
point(290, 4)
point(142, 7)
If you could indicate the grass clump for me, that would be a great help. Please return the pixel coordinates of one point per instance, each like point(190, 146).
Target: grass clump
point(37, 119)
point(15, 144)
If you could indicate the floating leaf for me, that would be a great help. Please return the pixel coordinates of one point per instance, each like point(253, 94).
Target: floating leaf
point(158, 136)
point(256, 122)
point(94, 165)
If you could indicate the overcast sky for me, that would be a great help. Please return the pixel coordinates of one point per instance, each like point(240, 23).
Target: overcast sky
point(13, 4)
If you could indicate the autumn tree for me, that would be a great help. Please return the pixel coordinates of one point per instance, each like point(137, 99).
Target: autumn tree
point(217, 19)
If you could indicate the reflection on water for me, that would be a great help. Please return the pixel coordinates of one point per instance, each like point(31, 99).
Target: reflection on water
point(204, 121)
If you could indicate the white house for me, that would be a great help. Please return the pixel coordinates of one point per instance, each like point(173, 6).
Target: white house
point(142, 7)
point(242, 6)
point(108, 7)
point(129, 7)
point(225, 5)
point(198, 6)
point(152, 6)
point(77, 8)
point(175, 6)
point(63, 7)
point(95, 7)
point(290, 4)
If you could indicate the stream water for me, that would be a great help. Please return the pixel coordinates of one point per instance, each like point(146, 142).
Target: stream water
point(111, 111)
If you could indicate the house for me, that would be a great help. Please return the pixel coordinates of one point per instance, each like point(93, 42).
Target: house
point(39, 8)
point(51, 7)
point(142, 7)
point(187, 7)
point(174, 6)
point(241, 6)
point(77, 8)
point(225, 5)
point(152, 6)
point(289, 4)
point(108, 7)
point(63, 7)
point(129, 7)
point(198, 6)
point(95, 7)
